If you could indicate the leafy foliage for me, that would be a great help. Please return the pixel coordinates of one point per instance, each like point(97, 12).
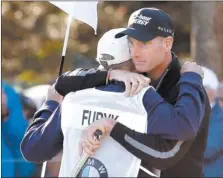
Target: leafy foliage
point(33, 34)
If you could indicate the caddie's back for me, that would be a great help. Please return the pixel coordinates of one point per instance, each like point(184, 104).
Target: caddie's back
point(83, 107)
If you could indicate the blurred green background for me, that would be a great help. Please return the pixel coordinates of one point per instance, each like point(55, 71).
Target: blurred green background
point(33, 34)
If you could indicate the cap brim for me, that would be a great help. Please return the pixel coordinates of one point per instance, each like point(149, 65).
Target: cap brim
point(136, 35)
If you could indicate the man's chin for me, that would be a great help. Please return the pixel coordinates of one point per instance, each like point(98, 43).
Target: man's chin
point(141, 69)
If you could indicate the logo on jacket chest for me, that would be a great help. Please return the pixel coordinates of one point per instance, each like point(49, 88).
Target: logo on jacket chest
point(91, 116)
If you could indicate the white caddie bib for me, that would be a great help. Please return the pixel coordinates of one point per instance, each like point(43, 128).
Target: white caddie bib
point(82, 108)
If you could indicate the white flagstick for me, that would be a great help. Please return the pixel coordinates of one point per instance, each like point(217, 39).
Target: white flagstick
point(60, 71)
point(65, 44)
point(69, 20)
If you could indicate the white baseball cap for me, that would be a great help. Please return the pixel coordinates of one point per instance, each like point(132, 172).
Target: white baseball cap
point(210, 79)
point(113, 50)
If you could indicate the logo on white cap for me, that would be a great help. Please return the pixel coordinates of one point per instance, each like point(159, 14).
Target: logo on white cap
point(106, 57)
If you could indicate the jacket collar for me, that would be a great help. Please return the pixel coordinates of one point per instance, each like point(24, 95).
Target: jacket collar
point(170, 76)
point(166, 85)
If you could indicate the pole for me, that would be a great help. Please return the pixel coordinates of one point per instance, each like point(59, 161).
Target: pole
point(65, 44)
point(69, 20)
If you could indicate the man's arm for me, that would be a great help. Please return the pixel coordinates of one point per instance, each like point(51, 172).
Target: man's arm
point(182, 120)
point(80, 79)
point(43, 138)
point(161, 153)
point(155, 149)
point(163, 146)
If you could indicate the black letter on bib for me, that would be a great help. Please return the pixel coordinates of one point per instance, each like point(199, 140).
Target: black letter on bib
point(99, 116)
point(85, 114)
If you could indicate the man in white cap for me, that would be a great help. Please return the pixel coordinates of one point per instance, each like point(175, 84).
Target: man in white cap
point(213, 155)
point(48, 135)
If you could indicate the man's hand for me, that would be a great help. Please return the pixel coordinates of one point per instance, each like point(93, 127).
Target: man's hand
point(134, 82)
point(192, 67)
point(53, 94)
point(88, 143)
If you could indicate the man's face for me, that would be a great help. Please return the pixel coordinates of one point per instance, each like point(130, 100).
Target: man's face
point(147, 56)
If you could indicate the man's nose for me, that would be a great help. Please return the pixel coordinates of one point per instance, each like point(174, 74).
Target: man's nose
point(135, 52)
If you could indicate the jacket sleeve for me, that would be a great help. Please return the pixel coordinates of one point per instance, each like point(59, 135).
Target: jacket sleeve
point(158, 146)
point(157, 151)
point(182, 120)
point(43, 138)
point(80, 79)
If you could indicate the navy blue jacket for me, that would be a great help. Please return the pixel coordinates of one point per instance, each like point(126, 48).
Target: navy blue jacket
point(45, 133)
point(178, 117)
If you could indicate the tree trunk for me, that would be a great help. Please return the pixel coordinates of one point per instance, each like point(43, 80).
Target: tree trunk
point(204, 47)
point(218, 25)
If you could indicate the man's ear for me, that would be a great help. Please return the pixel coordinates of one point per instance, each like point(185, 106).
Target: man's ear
point(168, 43)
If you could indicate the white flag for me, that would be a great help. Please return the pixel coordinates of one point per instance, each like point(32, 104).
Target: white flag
point(85, 11)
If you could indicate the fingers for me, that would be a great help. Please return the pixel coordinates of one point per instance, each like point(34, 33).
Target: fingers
point(192, 67)
point(127, 88)
point(88, 144)
point(87, 148)
point(137, 83)
point(146, 79)
point(133, 82)
point(92, 141)
point(53, 94)
point(134, 86)
point(139, 88)
point(142, 83)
